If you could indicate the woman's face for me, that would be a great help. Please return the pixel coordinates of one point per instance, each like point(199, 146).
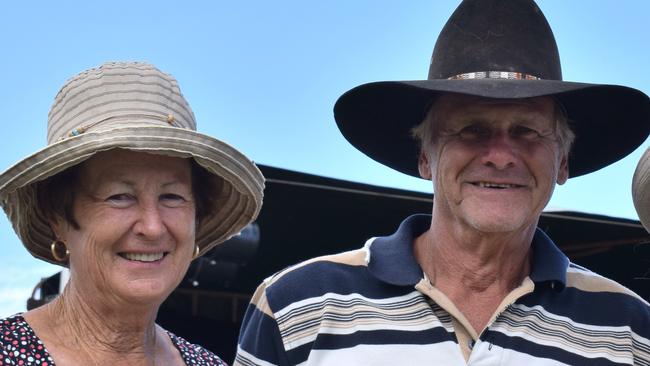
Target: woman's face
point(136, 216)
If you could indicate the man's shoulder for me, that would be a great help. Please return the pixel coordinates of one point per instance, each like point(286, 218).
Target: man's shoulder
point(582, 279)
point(599, 300)
point(339, 276)
point(320, 268)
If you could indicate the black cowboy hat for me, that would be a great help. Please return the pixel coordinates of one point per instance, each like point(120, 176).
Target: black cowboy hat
point(494, 49)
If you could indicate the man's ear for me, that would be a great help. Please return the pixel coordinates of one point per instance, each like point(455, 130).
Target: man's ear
point(563, 172)
point(424, 166)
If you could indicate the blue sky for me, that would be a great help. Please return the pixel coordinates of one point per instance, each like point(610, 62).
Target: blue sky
point(264, 77)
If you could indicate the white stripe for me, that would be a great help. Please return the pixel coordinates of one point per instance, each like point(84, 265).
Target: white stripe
point(447, 354)
point(306, 319)
point(366, 248)
point(487, 354)
point(570, 334)
point(613, 286)
point(347, 297)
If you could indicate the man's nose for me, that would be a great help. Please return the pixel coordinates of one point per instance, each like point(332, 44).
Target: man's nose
point(501, 151)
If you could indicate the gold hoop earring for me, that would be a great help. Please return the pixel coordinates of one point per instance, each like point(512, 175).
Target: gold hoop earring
point(196, 252)
point(55, 248)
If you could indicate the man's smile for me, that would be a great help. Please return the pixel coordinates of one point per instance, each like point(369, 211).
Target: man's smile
point(496, 185)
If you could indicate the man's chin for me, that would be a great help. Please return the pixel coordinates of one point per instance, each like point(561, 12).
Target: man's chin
point(497, 222)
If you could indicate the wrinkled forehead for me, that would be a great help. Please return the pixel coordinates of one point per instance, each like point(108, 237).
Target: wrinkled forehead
point(450, 108)
point(452, 101)
point(126, 165)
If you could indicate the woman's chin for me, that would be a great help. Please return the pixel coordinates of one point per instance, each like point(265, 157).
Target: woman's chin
point(144, 291)
point(147, 279)
point(124, 281)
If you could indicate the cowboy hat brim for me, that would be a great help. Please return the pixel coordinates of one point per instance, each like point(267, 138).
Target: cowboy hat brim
point(641, 189)
point(240, 193)
point(609, 121)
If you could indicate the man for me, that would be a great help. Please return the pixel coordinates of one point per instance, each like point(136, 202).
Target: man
point(476, 282)
point(641, 189)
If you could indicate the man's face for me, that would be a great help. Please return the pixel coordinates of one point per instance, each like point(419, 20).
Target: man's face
point(493, 162)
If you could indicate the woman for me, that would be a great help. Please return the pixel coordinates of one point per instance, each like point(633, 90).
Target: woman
point(641, 189)
point(126, 194)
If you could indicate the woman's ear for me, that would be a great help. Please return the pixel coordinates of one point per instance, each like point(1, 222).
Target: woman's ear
point(58, 225)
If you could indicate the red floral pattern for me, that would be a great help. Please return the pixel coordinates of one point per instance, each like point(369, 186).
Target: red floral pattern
point(19, 346)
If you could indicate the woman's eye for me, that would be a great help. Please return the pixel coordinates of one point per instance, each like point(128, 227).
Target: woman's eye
point(172, 199)
point(121, 199)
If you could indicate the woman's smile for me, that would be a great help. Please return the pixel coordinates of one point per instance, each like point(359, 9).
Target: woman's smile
point(143, 257)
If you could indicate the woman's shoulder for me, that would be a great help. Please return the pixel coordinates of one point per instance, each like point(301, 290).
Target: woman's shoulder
point(193, 354)
point(13, 320)
point(19, 344)
point(15, 330)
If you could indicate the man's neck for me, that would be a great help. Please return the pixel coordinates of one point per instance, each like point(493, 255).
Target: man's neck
point(475, 270)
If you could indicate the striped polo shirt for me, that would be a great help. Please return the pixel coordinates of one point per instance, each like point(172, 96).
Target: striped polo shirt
point(374, 306)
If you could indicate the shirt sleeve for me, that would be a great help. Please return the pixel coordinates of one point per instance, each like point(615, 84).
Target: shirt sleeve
point(260, 342)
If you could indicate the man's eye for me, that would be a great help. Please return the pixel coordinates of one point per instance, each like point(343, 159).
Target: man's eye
point(474, 132)
point(524, 132)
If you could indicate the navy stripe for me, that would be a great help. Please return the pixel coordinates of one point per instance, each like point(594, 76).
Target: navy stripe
point(319, 278)
point(379, 337)
point(545, 325)
point(541, 351)
point(326, 341)
point(260, 336)
point(579, 306)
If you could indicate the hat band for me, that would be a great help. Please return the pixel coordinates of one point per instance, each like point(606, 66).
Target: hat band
point(169, 119)
point(509, 75)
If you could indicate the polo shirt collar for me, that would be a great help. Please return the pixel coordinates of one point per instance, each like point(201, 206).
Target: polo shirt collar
point(549, 263)
point(391, 258)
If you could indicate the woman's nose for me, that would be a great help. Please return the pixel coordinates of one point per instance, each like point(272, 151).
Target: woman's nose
point(149, 223)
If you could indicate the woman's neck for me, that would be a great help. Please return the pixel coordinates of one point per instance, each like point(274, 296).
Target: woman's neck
point(77, 321)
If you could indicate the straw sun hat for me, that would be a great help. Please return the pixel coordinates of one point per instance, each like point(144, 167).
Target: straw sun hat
point(134, 106)
point(641, 189)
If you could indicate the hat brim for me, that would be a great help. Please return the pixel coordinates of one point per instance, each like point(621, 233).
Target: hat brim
point(239, 200)
point(609, 121)
point(641, 189)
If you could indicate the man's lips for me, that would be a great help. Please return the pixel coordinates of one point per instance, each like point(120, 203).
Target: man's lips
point(496, 185)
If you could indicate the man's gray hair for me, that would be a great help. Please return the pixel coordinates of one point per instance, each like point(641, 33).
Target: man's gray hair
point(424, 132)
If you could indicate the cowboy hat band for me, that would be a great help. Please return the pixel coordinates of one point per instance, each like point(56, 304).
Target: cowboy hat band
point(494, 49)
point(641, 189)
point(134, 106)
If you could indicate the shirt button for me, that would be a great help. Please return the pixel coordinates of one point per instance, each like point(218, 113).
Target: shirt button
point(471, 344)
